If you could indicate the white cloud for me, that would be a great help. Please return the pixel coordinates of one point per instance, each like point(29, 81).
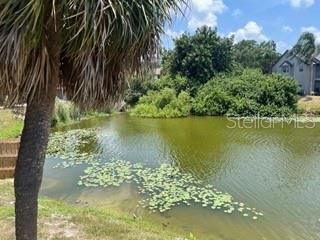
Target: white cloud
point(287, 29)
point(301, 3)
point(251, 31)
point(314, 30)
point(210, 20)
point(236, 13)
point(204, 12)
point(216, 6)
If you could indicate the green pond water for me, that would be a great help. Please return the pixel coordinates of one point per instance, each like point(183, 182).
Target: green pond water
point(275, 170)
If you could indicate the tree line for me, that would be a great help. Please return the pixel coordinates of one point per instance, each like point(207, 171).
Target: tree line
point(207, 74)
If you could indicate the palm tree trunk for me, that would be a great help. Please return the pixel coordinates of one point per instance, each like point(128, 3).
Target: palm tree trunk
point(34, 141)
point(29, 168)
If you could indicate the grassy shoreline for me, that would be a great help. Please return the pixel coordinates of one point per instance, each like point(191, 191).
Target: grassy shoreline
point(61, 221)
point(10, 127)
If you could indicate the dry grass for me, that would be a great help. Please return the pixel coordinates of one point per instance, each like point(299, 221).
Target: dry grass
point(310, 104)
point(60, 221)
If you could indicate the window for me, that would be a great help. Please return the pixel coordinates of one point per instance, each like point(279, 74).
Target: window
point(285, 68)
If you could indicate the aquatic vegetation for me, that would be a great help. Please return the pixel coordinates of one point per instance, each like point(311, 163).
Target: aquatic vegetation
point(112, 174)
point(72, 147)
point(163, 188)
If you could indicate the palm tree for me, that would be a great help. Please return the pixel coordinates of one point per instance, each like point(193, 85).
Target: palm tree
point(85, 47)
point(307, 49)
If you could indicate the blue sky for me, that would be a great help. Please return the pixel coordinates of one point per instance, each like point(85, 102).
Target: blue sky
point(280, 20)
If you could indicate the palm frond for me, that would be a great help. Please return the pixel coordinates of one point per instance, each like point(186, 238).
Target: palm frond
point(23, 59)
point(105, 39)
point(101, 41)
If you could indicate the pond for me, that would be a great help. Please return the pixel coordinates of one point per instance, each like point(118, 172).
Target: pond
point(275, 170)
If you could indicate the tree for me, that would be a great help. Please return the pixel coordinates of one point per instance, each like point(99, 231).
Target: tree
point(251, 54)
point(85, 47)
point(200, 56)
point(306, 49)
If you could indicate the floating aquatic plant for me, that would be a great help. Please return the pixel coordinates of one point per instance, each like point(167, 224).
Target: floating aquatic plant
point(72, 147)
point(112, 174)
point(164, 187)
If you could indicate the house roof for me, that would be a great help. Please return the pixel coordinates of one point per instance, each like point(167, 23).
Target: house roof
point(315, 59)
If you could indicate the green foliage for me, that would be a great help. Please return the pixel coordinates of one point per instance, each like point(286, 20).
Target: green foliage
point(200, 56)
point(140, 87)
point(212, 100)
point(251, 54)
point(65, 112)
point(248, 94)
point(177, 83)
point(137, 87)
point(164, 103)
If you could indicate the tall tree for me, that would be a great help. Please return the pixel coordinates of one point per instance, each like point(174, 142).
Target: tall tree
point(251, 54)
point(83, 46)
point(307, 49)
point(200, 56)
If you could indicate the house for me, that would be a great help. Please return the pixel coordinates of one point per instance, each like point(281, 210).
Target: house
point(306, 74)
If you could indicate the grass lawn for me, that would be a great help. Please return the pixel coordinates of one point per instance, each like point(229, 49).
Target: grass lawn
point(9, 126)
point(61, 221)
point(310, 104)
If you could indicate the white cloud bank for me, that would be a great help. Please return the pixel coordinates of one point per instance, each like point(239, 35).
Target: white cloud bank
point(204, 12)
point(251, 31)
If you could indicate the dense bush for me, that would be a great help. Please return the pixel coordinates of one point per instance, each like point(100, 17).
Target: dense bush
point(247, 94)
point(140, 87)
point(212, 100)
point(137, 87)
point(163, 104)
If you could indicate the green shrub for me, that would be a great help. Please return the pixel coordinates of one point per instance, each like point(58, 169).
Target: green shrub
point(136, 89)
point(247, 94)
point(140, 87)
point(212, 100)
point(163, 104)
point(62, 111)
point(65, 112)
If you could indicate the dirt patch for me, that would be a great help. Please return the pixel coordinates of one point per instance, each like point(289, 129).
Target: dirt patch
point(59, 227)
